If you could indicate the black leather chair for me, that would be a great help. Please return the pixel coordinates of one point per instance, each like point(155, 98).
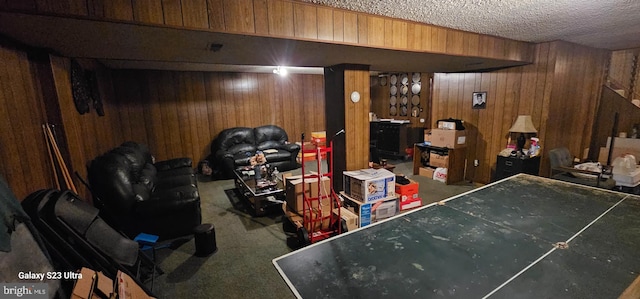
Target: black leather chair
point(76, 237)
point(233, 148)
point(135, 197)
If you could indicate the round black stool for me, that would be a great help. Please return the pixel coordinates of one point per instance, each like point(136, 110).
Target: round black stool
point(205, 239)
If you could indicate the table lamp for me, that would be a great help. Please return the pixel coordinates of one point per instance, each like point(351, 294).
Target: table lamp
point(523, 125)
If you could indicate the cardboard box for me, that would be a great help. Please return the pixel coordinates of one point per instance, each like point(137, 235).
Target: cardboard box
point(410, 203)
point(407, 189)
point(426, 171)
point(370, 212)
point(437, 160)
point(319, 138)
point(84, 285)
point(448, 138)
point(291, 214)
point(320, 217)
point(319, 134)
point(447, 125)
point(293, 191)
point(349, 217)
point(368, 185)
point(408, 196)
point(427, 135)
point(324, 190)
point(310, 146)
point(127, 288)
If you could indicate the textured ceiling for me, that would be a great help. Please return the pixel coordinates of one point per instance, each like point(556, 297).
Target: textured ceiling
point(123, 45)
point(607, 24)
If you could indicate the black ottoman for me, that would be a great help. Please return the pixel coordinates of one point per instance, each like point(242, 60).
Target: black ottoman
point(205, 239)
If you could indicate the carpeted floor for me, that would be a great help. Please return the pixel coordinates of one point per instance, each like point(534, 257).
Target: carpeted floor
point(242, 268)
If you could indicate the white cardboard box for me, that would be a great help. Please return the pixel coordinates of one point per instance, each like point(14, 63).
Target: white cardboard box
point(369, 184)
point(371, 212)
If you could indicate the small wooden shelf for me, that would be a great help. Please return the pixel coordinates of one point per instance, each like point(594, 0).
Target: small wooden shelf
point(455, 167)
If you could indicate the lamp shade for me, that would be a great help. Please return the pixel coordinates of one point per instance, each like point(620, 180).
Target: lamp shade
point(523, 125)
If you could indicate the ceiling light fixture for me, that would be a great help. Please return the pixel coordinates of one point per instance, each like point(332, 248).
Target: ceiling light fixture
point(280, 70)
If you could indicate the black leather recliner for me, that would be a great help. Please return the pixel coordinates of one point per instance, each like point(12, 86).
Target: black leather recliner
point(136, 196)
point(233, 148)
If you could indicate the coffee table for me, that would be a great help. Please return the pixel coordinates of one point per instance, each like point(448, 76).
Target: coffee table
point(262, 195)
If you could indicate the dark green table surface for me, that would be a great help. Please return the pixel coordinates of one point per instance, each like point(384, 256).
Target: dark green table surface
point(499, 241)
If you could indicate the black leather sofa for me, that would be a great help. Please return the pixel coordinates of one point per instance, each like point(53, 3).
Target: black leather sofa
point(233, 148)
point(135, 195)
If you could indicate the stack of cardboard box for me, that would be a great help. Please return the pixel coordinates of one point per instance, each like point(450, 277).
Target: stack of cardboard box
point(314, 188)
point(370, 195)
point(318, 139)
point(445, 136)
point(408, 196)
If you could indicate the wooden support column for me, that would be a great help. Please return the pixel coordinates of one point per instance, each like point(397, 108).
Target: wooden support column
point(351, 149)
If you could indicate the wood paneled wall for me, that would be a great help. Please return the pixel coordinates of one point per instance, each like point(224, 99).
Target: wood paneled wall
point(628, 116)
point(176, 113)
point(560, 90)
point(356, 119)
point(24, 163)
point(87, 135)
point(288, 19)
point(579, 74)
point(179, 113)
point(624, 69)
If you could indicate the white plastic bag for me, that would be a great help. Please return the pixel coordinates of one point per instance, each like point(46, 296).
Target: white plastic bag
point(440, 174)
point(624, 164)
point(590, 166)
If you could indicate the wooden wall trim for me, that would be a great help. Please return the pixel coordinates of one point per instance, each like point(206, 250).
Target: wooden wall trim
point(289, 19)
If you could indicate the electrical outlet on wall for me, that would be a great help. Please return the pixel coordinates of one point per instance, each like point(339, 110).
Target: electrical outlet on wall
point(476, 162)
